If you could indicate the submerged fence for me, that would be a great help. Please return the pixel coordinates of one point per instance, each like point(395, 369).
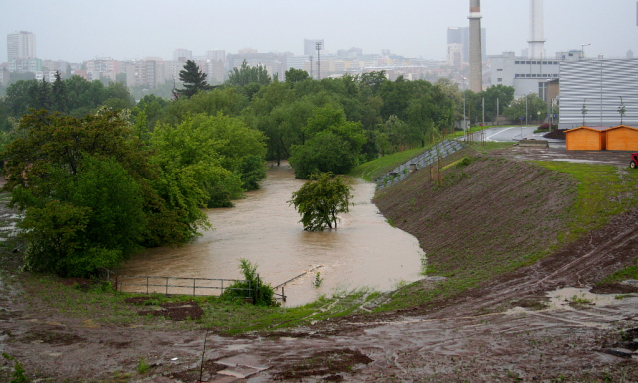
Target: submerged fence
point(180, 285)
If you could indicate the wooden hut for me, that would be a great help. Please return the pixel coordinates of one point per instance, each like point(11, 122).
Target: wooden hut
point(622, 138)
point(586, 138)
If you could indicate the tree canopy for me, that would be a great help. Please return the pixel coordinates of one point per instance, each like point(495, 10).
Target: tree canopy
point(246, 74)
point(320, 200)
point(86, 186)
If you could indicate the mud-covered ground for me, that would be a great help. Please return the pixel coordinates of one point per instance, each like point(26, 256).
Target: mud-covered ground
point(532, 324)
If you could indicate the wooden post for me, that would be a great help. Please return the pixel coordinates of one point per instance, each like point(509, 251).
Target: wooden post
point(166, 285)
point(194, 287)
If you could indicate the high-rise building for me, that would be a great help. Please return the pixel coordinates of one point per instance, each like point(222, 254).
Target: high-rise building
point(20, 45)
point(182, 55)
point(461, 36)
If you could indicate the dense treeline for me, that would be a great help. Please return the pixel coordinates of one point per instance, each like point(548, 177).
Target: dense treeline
point(332, 124)
point(99, 178)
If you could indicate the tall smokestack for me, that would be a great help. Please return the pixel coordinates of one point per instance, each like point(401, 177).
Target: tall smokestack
point(476, 61)
point(536, 34)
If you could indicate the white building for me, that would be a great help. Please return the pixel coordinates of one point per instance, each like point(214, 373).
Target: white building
point(523, 74)
point(598, 85)
point(20, 45)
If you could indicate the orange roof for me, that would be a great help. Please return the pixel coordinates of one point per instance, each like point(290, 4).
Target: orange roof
point(592, 128)
point(622, 126)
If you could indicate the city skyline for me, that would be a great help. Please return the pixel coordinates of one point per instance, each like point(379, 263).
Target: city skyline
point(143, 28)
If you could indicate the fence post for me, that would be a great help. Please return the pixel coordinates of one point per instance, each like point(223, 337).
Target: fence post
point(166, 286)
point(146, 285)
point(116, 281)
point(194, 287)
point(222, 286)
point(283, 293)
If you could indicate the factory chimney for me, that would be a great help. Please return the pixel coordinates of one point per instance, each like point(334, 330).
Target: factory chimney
point(536, 34)
point(476, 61)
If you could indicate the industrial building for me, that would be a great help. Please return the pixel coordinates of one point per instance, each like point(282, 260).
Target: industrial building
point(593, 93)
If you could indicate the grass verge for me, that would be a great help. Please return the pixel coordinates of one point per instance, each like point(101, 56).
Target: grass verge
point(99, 305)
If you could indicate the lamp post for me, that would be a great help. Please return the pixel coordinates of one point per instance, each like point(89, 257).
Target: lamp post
point(582, 48)
point(464, 122)
point(526, 113)
point(319, 48)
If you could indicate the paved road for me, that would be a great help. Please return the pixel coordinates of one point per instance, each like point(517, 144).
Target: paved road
point(514, 134)
point(508, 134)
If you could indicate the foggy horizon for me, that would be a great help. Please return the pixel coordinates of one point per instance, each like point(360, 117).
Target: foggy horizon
point(65, 31)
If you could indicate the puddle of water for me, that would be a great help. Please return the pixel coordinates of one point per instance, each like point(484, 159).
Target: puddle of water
point(561, 299)
point(364, 251)
point(236, 347)
point(593, 162)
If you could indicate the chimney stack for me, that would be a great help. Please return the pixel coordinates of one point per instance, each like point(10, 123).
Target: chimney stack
point(476, 61)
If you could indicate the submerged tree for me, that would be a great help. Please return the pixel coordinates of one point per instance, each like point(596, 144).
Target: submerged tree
point(194, 80)
point(320, 200)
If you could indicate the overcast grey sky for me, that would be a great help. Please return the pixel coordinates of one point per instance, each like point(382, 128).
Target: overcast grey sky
point(77, 30)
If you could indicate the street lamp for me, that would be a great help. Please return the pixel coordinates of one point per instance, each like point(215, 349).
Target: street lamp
point(526, 113)
point(464, 114)
point(582, 48)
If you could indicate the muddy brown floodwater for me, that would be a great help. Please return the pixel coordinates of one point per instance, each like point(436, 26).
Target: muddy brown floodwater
point(365, 251)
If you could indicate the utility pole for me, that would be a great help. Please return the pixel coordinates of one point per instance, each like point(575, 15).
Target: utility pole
point(483, 101)
point(318, 45)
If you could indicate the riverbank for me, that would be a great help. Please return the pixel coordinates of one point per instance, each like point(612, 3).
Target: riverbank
point(503, 231)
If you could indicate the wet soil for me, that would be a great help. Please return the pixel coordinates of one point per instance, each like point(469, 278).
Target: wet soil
point(503, 330)
point(177, 311)
point(613, 288)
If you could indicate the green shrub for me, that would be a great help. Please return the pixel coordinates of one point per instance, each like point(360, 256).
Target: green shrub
point(264, 294)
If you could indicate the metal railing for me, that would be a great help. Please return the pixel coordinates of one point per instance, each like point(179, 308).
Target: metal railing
point(180, 285)
point(176, 285)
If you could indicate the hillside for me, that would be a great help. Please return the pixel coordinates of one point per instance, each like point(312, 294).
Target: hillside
point(492, 215)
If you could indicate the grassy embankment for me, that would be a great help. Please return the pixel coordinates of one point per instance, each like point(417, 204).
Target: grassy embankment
point(494, 216)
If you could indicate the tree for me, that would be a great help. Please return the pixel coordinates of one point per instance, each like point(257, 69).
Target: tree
point(60, 97)
point(504, 94)
point(193, 79)
point(246, 74)
point(294, 76)
point(320, 200)
point(91, 193)
point(333, 144)
point(532, 103)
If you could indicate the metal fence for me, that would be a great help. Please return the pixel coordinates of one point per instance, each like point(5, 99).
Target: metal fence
point(427, 158)
point(180, 286)
point(176, 285)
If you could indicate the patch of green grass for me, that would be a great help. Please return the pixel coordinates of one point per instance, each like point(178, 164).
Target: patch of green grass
point(230, 316)
point(630, 272)
point(602, 192)
point(142, 366)
point(376, 168)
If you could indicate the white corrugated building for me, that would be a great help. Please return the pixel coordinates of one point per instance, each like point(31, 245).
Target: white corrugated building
point(599, 86)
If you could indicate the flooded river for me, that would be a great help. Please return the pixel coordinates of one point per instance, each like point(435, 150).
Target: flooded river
point(364, 251)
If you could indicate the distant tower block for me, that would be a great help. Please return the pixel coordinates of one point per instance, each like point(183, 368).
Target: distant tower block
point(536, 34)
point(476, 64)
